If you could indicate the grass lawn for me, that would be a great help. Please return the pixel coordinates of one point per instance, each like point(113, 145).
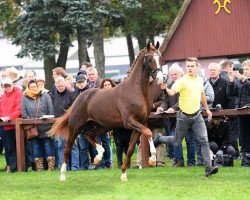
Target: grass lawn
point(149, 183)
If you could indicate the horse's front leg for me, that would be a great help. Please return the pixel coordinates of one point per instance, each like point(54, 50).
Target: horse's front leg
point(132, 142)
point(147, 132)
point(152, 159)
point(67, 150)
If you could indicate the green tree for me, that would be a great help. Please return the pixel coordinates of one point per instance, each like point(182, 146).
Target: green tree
point(106, 13)
point(116, 22)
point(9, 9)
point(146, 19)
point(79, 16)
point(42, 34)
point(151, 19)
point(45, 28)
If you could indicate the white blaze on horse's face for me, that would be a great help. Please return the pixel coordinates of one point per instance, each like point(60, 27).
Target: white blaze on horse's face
point(157, 58)
point(159, 77)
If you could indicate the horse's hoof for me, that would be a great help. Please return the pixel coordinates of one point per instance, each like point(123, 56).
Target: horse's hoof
point(152, 162)
point(124, 178)
point(63, 178)
point(96, 161)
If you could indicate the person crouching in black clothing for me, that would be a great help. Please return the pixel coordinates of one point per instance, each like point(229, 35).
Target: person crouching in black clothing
point(219, 139)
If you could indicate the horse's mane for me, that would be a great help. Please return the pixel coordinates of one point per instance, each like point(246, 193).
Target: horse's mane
point(135, 61)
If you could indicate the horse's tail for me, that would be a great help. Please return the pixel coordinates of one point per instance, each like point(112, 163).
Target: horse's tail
point(61, 126)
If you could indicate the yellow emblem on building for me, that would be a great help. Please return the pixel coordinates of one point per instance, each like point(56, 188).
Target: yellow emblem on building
point(224, 6)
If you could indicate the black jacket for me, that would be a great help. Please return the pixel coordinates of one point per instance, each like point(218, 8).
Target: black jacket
point(240, 90)
point(219, 134)
point(220, 95)
point(74, 95)
point(60, 102)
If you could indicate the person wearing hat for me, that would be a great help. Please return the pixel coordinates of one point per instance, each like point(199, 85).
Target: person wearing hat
point(81, 86)
point(12, 73)
point(10, 109)
point(82, 72)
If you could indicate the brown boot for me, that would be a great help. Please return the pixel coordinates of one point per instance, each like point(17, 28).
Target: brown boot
point(8, 169)
point(39, 164)
point(51, 163)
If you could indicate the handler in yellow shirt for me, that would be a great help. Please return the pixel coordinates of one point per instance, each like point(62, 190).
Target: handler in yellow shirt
point(190, 88)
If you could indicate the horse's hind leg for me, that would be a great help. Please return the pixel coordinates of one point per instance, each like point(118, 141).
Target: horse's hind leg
point(132, 142)
point(91, 137)
point(67, 150)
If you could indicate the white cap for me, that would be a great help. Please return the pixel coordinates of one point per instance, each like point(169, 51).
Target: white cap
point(7, 81)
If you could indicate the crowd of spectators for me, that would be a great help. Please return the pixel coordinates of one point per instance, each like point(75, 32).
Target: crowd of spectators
point(28, 97)
point(225, 88)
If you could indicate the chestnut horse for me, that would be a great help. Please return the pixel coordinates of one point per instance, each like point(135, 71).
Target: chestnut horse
point(96, 111)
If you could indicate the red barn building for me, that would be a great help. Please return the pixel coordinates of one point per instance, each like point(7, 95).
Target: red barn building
point(211, 30)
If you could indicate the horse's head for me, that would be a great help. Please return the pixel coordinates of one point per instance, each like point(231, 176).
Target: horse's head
point(151, 64)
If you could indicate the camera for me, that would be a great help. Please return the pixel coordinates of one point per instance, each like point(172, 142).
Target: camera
point(237, 67)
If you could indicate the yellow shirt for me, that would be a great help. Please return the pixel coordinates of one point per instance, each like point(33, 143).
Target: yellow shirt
point(190, 89)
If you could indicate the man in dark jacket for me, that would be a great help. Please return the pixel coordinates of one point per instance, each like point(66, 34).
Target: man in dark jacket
point(219, 136)
point(219, 80)
point(219, 85)
point(60, 100)
point(239, 87)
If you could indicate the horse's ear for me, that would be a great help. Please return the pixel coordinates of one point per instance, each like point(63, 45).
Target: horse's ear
point(157, 45)
point(148, 46)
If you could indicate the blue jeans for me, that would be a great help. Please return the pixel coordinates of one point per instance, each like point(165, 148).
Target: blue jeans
point(84, 152)
point(4, 143)
point(43, 147)
point(29, 157)
point(107, 155)
point(10, 149)
point(73, 161)
point(55, 143)
point(190, 143)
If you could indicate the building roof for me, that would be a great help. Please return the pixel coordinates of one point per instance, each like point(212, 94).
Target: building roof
point(199, 31)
